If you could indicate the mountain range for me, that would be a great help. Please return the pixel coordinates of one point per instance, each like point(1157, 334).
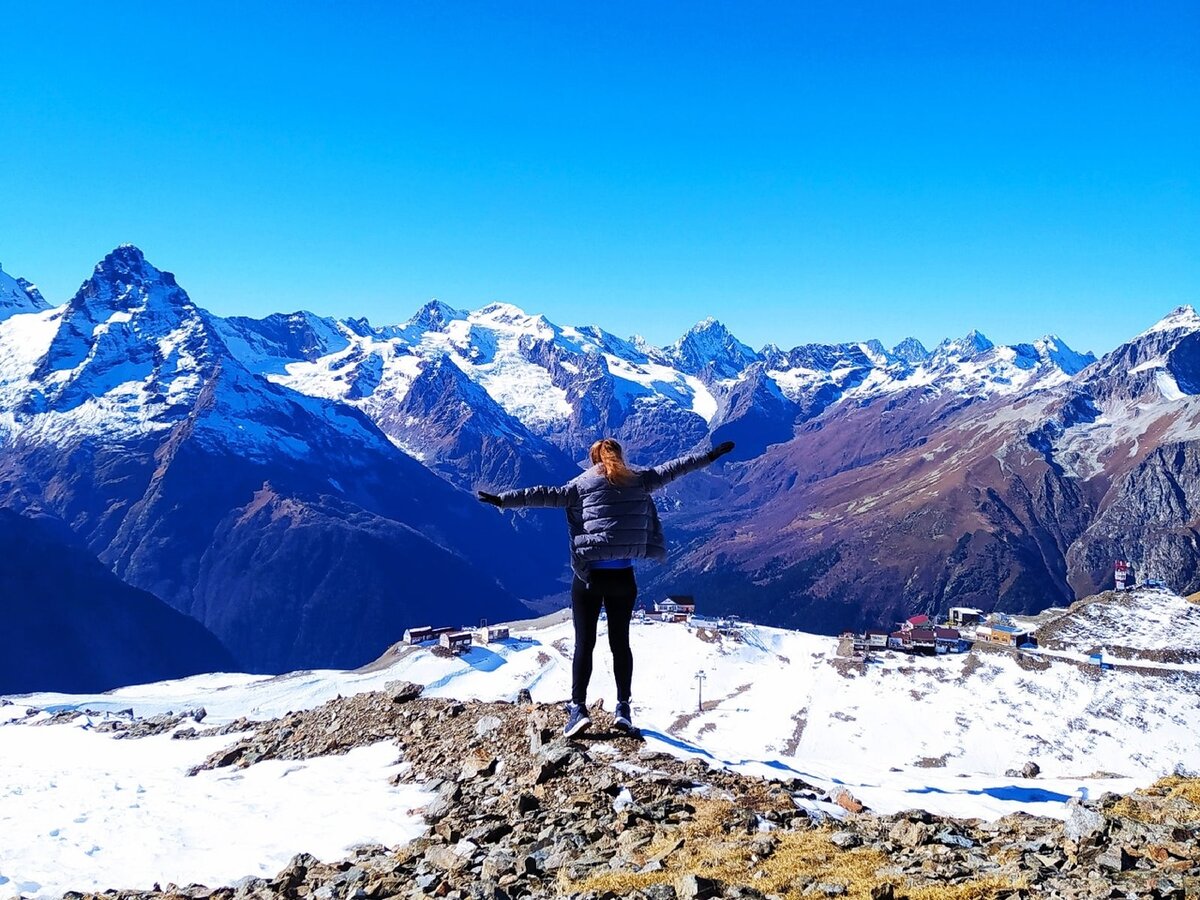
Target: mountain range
point(302, 485)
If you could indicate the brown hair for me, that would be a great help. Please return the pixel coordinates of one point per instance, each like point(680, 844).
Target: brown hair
point(607, 454)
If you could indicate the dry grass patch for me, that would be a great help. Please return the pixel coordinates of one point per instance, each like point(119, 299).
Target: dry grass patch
point(798, 858)
point(1173, 799)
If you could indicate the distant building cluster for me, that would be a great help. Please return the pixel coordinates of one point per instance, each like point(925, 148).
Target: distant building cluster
point(963, 626)
point(457, 639)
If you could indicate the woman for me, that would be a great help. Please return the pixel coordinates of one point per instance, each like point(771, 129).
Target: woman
point(612, 520)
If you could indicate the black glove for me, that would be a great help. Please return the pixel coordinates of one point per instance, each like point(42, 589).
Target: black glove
point(720, 450)
point(485, 497)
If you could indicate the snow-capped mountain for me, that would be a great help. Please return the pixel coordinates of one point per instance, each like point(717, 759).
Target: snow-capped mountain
point(286, 524)
point(1000, 497)
point(18, 296)
point(566, 386)
point(191, 451)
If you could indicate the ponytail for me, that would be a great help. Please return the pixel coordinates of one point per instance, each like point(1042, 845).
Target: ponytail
point(607, 454)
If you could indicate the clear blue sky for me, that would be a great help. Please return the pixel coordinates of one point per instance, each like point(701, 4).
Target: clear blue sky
point(800, 171)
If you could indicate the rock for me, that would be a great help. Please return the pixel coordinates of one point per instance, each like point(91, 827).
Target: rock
point(296, 870)
point(950, 839)
point(910, 834)
point(488, 725)
point(446, 858)
point(845, 839)
point(695, 887)
point(476, 764)
point(846, 800)
point(1083, 825)
point(827, 889)
point(660, 892)
point(403, 691)
point(527, 803)
point(1115, 858)
point(1030, 770)
point(886, 891)
point(524, 698)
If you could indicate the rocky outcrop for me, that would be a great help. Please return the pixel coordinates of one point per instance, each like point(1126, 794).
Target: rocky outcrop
point(1151, 522)
point(516, 812)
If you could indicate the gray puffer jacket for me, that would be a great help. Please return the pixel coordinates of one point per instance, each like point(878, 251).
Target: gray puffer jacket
point(609, 521)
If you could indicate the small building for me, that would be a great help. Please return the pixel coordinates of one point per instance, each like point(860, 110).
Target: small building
point(961, 616)
point(489, 634)
point(922, 640)
point(426, 633)
point(898, 640)
point(876, 638)
point(1008, 635)
point(921, 621)
point(456, 641)
point(676, 608)
point(948, 640)
point(418, 635)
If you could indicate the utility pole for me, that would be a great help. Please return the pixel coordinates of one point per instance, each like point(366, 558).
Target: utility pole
point(700, 676)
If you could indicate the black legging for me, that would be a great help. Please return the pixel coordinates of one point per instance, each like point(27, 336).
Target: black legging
point(616, 591)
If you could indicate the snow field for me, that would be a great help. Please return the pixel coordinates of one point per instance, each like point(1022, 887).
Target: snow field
point(82, 811)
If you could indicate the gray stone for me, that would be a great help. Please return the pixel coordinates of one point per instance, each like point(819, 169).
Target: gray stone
point(1115, 859)
point(950, 839)
point(1083, 825)
point(845, 839)
point(488, 725)
point(695, 887)
point(403, 691)
point(910, 834)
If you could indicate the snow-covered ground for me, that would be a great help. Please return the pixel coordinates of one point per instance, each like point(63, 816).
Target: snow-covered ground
point(80, 809)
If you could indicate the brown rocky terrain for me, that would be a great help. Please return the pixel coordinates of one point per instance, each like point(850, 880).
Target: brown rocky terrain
point(516, 811)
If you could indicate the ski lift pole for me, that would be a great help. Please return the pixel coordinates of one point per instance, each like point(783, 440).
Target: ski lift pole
point(700, 676)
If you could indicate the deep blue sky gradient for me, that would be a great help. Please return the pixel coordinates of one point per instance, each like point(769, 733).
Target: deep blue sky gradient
point(800, 171)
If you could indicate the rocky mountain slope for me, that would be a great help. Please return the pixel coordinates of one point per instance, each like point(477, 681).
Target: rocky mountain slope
point(103, 633)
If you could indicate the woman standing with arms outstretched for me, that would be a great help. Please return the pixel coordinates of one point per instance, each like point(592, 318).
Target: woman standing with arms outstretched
point(612, 521)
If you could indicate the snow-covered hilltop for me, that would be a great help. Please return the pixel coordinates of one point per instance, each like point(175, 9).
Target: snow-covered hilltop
point(897, 733)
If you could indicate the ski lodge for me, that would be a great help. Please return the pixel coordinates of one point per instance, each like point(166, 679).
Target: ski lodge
point(676, 608)
point(456, 641)
point(426, 633)
point(488, 634)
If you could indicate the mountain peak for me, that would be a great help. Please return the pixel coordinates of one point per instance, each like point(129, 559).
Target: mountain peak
point(126, 265)
point(970, 344)
point(1056, 350)
point(911, 351)
point(708, 342)
point(19, 296)
point(435, 316)
point(1181, 318)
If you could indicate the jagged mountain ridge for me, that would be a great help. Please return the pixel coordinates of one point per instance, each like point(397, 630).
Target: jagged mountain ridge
point(568, 385)
point(496, 398)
